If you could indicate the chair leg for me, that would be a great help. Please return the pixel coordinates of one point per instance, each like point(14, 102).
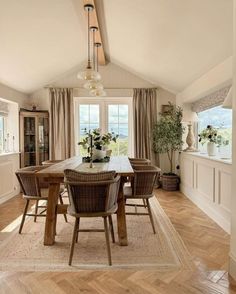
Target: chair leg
point(150, 215)
point(107, 239)
point(73, 241)
point(77, 233)
point(36, 210)
point(144, 203)
point(23, 216)
point(61, 202)
point(111, 228)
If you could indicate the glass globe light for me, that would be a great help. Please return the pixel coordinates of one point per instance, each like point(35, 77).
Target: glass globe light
point(98, 93)
point(89, 75)
point(93, 85)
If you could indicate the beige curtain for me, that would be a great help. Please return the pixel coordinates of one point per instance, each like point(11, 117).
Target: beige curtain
point(61, 123)
point(145, 116)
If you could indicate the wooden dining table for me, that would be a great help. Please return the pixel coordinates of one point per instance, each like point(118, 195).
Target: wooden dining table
point(54, 176)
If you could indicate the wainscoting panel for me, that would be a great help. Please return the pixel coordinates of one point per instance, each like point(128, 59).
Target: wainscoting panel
point(207, 182)
point(224, 190)
point(188, 172)
point(6, 179)
point(9, 185)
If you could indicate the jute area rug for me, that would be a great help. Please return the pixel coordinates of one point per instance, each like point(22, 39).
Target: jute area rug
point(163, 251)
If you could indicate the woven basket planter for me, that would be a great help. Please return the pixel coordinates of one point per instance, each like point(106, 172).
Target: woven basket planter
point(170, 182)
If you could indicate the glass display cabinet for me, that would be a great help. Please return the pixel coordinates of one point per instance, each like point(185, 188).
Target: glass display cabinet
point(34, 137)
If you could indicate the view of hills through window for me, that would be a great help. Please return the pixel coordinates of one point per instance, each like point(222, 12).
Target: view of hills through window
point(221, 119)
point(112, 118)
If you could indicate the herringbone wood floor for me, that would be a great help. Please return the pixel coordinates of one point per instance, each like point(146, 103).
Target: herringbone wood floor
point(208, 244)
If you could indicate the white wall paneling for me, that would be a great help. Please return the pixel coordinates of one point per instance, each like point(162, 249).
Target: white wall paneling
point(207, 183)
point(9, 185)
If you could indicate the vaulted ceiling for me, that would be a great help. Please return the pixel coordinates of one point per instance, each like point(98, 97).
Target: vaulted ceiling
point(170, 43)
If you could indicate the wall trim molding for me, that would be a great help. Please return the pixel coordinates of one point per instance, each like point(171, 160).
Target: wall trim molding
point(9, 195)
point(205, 207)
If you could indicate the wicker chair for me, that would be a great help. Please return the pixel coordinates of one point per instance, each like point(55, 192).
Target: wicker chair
point(142, 188)
point(139, 161)
point(92, 195)
point(32, 190)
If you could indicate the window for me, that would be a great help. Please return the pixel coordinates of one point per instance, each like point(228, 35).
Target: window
point(118, 122)
point(221, 119)
point(109, 114)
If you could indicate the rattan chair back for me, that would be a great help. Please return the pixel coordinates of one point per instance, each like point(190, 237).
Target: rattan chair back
point(29, 183)
point(92, 192)
point(144, 180)
point(139, 161)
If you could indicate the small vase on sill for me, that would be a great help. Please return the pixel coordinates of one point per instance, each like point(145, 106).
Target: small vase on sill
point(211, 149)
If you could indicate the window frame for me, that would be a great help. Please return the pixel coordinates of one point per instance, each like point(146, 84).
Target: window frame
point(103, 103)
point(4, 132)
point(197, 131)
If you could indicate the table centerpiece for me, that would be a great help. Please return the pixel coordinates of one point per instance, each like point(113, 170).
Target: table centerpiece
point(96, 143)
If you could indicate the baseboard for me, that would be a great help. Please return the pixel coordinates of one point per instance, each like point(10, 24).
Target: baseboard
point(206, 207)
point(9, 195)
point(232, 266)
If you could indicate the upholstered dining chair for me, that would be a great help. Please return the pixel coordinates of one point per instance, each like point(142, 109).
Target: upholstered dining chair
point(33, 188)
point(142, 188)
point(92, 195)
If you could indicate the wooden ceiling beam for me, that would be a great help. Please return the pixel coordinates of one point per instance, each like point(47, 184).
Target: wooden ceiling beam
point(98, 37)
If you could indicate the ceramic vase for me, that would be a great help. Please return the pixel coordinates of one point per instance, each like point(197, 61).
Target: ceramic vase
point(98, 154)
point(211, 148)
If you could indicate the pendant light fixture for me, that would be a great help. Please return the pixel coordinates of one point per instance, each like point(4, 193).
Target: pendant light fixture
point(94, 84)
point(98, 91)
point(89, 74)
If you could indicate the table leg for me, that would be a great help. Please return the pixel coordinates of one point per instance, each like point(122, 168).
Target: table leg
point(121, 218)
point(50, 224)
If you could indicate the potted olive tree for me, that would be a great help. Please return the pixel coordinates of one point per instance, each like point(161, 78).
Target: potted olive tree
point(167, 138)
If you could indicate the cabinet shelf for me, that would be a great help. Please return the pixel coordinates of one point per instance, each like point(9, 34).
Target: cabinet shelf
point(34, 133)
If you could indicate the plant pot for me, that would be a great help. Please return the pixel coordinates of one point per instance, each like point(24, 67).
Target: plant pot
point(98, 154)
point(170, 182)
point(211, 148)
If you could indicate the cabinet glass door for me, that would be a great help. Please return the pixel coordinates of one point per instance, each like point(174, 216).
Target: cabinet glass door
point(43, 139)
point(29, 141)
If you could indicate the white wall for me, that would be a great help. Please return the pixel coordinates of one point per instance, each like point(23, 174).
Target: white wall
point(9, 163)
point(217, 78)
point(13, 95)
point(117, 83)
point(113, 77)
point(232, 269)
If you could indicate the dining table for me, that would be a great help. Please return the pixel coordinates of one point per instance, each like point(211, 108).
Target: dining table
point(54, 176)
